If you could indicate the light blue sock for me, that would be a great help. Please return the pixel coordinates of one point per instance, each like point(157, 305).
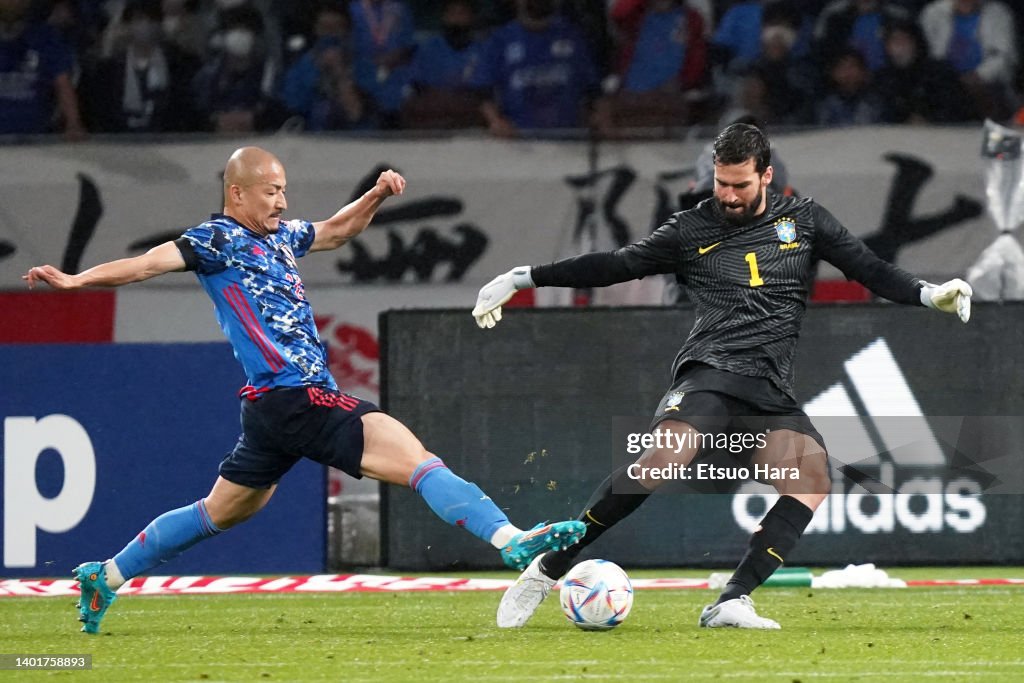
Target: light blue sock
point(166, 536)
point(457, 501)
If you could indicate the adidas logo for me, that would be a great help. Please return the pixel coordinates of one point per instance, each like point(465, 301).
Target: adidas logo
point(874, 428)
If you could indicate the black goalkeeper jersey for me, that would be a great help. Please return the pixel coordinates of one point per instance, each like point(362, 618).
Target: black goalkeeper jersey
point(749, 283)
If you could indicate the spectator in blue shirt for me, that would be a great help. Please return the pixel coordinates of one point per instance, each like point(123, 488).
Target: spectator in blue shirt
point(781, 87)
point(35, 66)
point(442, 73)
point(978, 38)
point(320, 86)
point(737, 40)
point(857, 24)
point(384, 44)
point(738, 35)
point(670, 53)
point(447, 60)
point(539, 71)
point(850, 100)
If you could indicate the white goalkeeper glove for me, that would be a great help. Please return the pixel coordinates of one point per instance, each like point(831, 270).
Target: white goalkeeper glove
point(949, 297)
point(495, 293)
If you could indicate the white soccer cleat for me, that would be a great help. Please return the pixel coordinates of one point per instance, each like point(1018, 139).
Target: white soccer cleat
point(736, 613)
point(524, 596)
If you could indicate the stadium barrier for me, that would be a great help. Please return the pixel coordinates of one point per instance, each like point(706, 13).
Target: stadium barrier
point(527, 409)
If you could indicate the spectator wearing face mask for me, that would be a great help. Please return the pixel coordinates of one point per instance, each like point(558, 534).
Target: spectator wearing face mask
point(234, 91)
point(258, 12)
point(320, 86)
point(442, 73)
point(915, 88)
point(143, 88)
point(537, 72)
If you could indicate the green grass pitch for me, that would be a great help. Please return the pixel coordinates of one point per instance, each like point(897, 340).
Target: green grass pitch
point(914, 634)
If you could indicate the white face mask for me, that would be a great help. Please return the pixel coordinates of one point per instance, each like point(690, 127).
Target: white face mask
point(238, 42)
point(784, 35)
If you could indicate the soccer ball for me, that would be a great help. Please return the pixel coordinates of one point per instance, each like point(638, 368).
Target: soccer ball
point(596, 595)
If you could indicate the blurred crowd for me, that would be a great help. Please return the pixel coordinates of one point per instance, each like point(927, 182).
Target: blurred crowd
point(513, 67)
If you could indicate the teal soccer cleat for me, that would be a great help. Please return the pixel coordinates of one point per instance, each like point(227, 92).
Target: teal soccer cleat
point(96, 595)
point(525, 546)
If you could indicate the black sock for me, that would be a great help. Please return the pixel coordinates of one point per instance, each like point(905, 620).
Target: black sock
point(780, 530)
point(603, 511)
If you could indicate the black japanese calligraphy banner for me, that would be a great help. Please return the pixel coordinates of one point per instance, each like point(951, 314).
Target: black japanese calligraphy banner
point(922, 416)
point(476, 207)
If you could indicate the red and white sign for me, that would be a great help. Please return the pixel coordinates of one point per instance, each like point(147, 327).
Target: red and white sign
point(353, 583)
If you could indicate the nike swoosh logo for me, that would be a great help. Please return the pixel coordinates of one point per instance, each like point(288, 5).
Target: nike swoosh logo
point(771, 551)
point(704, 250)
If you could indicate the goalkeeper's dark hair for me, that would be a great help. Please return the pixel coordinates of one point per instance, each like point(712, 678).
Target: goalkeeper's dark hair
point(740, 142)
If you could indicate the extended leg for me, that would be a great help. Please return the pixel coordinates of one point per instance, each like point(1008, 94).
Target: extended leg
point(393, 454)
point(164, 538)
point(780, 528)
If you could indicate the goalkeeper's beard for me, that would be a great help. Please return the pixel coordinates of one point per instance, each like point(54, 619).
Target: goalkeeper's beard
point(743, 217)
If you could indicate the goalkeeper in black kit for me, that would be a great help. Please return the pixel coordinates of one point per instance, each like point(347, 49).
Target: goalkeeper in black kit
point(747, 257)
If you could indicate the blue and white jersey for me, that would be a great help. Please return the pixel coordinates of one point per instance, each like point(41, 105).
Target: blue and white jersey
point(541, 77)
point(259, 299)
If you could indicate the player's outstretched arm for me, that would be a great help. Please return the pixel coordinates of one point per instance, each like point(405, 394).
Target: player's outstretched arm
point(837, 246)
point(161, 259)
point(353, 218)
point(656, 253)
point(495, 293)
point(953, 296)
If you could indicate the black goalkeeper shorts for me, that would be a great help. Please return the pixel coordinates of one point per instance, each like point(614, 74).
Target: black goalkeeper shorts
point(713, 401)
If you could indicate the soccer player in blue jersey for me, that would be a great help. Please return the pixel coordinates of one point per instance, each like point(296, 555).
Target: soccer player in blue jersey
point(245, 259)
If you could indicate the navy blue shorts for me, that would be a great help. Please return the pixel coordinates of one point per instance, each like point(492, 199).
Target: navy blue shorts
point(289, 423)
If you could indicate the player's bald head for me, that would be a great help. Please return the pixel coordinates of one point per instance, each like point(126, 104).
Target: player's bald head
point(254, 189)
point(250, 165)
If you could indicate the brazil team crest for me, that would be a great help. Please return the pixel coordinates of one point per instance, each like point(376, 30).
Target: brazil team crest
point(672, 404)
point(786, 229)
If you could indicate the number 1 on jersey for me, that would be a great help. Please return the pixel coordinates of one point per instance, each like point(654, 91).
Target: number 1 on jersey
point(755, 276)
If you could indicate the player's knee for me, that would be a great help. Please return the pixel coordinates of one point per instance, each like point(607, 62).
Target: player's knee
point(228, 513)
point(225, 518)
point(818, 478)
point(409, 459)
point(810, 484)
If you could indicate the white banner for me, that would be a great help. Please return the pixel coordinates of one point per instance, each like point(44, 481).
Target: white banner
point(476, 207)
